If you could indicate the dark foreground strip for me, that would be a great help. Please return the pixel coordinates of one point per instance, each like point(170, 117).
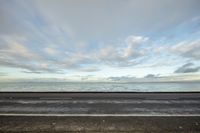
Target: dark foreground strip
point(132, 124)
point(100, 95)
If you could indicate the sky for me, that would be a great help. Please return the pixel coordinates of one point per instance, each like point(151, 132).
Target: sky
point(112, 40)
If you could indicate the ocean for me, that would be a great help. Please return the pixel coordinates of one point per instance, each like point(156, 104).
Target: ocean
point(99, 87)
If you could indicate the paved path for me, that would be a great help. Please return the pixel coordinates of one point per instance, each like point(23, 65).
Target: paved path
point(100, 112)
point(111, 104)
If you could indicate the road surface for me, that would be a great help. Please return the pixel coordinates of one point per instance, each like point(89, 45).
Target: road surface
point(102, 112)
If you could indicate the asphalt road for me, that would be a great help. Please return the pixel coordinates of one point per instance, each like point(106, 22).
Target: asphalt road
point(102, 104)
point(100, 112)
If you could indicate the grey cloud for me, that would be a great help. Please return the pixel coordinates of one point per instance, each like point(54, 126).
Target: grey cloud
point(35, 72)
point(90, 69)
point(32, 31)
point(155, 78)
point(28, 71)
point(147, 78)
point(74, 17)
point(187, 49)
point(122, 78)
point(16, 53)
point(120, 16)
point(44, 38)
point(151, 76)
point(31, 68)
point(187, 68)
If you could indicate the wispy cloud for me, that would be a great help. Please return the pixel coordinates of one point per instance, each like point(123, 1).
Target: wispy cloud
point(124, 54)
point(17, 53)
point(39, 37)
point(187, 49)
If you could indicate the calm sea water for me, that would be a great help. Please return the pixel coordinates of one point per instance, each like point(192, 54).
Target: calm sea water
point(105, 87)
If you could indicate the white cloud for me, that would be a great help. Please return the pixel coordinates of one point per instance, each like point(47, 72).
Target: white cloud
point(15, 53)
point(133, 41)
point(124, 54)
point(50, 36)
point(50, 51)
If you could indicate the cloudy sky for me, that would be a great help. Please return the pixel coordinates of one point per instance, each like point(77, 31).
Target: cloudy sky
point(95, 39)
